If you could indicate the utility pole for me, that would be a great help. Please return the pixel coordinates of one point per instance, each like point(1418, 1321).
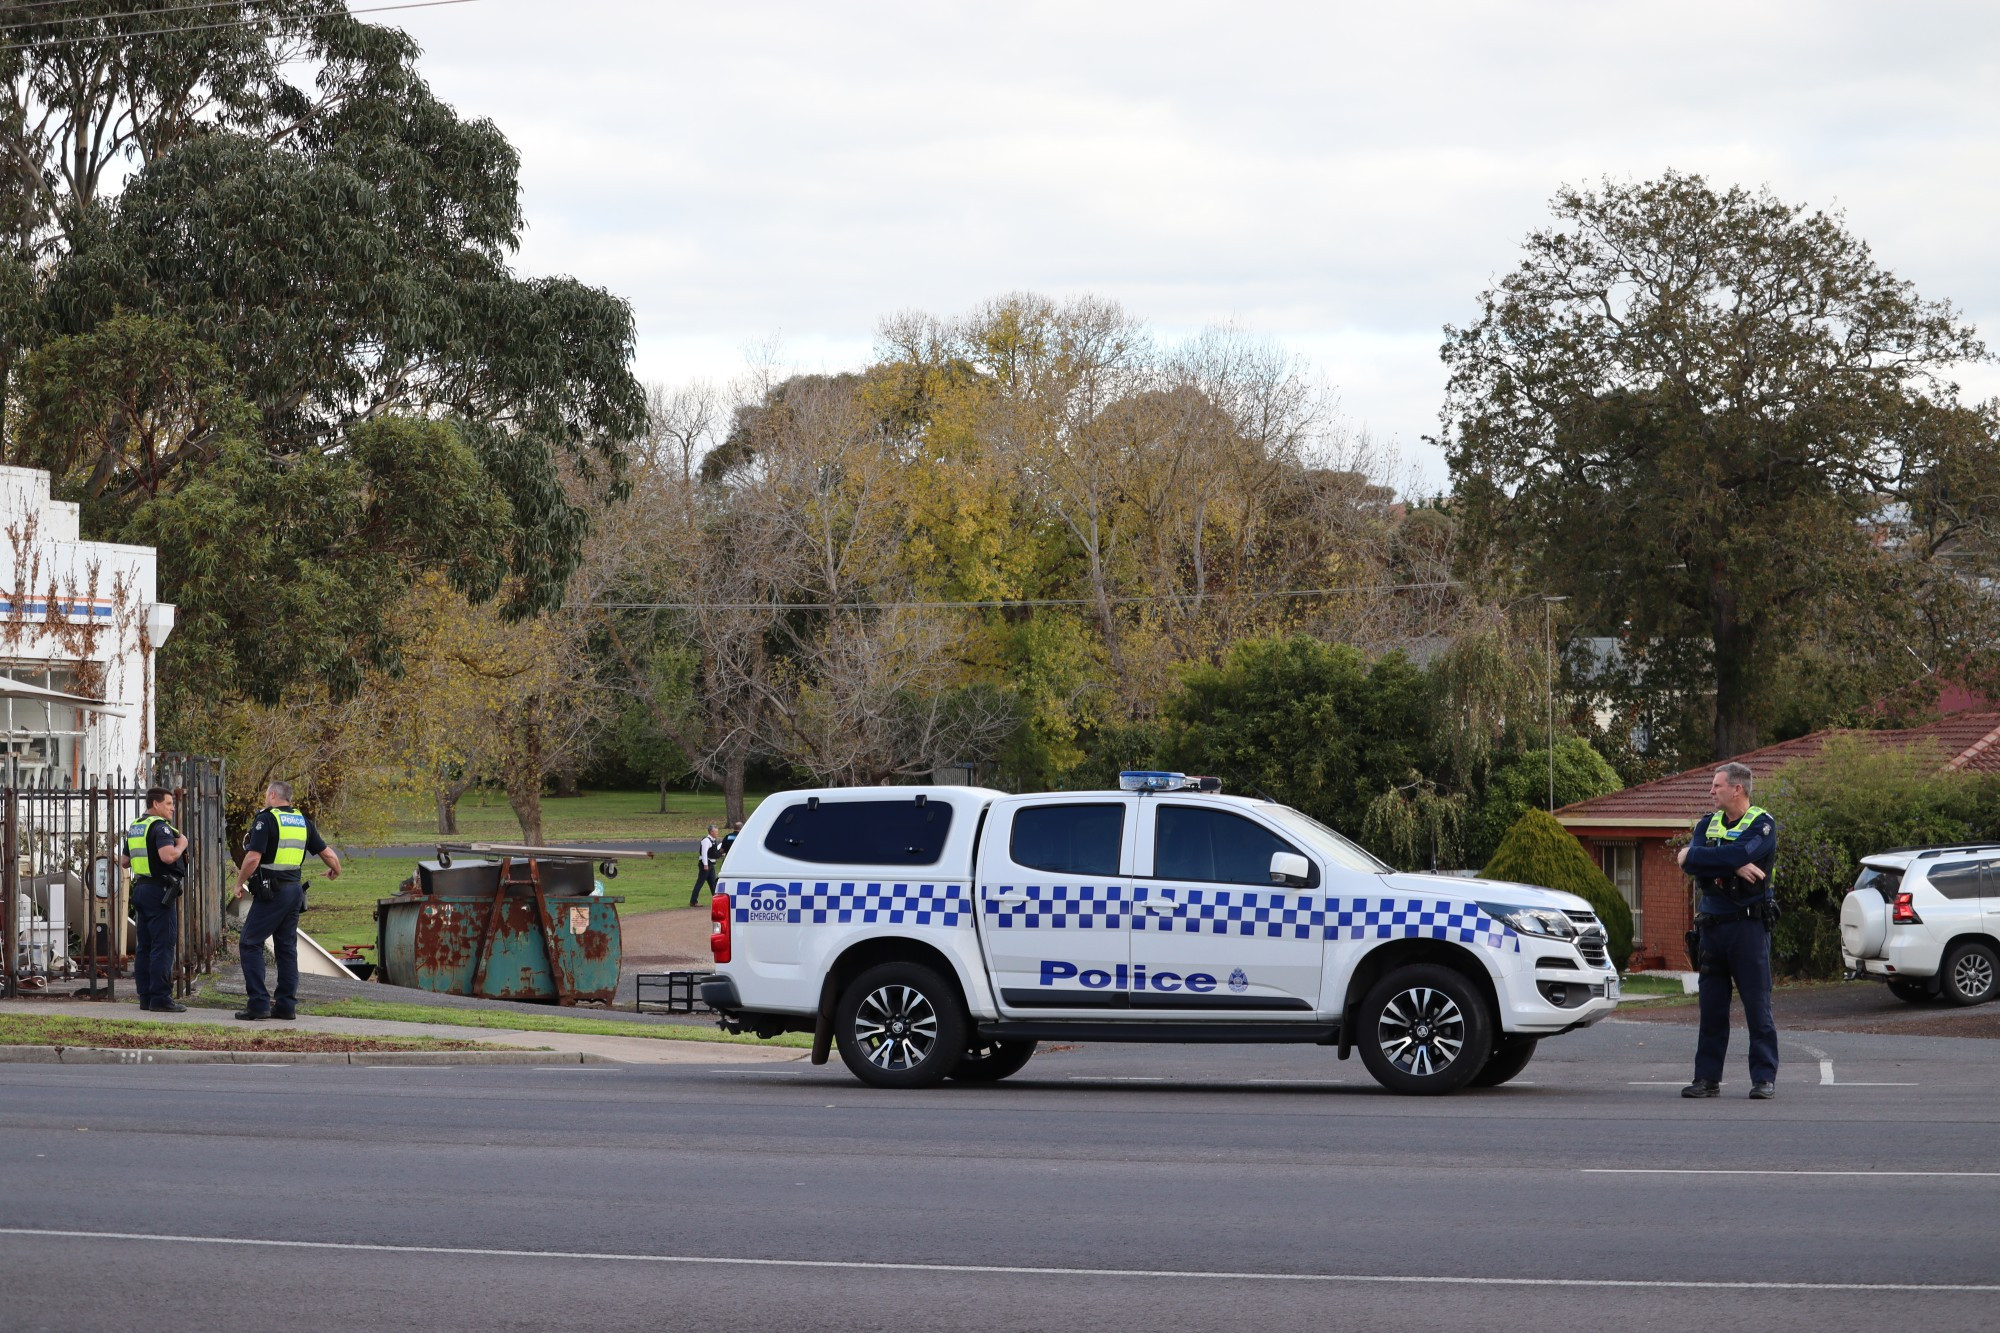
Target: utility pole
point(1549, 631)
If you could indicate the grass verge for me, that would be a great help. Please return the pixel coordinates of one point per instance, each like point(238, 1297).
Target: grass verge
point(391, 1012)
point(1632, 984)
point(133, 1034)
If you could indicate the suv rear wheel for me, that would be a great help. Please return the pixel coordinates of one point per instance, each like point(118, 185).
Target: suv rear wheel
point(991, 1061)
point(899, 1025)
point(1969, 973)
point(1424, 1030)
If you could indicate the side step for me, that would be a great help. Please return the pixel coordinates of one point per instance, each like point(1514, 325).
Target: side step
point(1306, 1034)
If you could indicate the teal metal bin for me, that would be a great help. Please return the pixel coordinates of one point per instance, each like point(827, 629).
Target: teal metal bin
point(504, 942)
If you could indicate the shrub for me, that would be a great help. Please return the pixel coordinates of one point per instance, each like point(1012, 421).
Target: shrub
point(1538, 850)
point(1523, 784)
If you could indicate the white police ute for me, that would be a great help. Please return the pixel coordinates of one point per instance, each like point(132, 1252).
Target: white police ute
point(941, 932)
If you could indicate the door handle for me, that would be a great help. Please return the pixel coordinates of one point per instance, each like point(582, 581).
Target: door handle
point(1006, 893)
point(1161, 908)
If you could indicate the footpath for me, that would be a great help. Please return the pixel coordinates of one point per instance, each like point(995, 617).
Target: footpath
point(554, 1047)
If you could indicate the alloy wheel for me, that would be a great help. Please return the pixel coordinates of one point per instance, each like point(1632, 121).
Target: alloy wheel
point(897, 1027)
point(1421, 1031)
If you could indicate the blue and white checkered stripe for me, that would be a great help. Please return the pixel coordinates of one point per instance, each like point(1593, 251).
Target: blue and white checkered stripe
point(1057, 906)
point(1277, 916)
point(828, 902)
point(1416, 918)
point(1243, 912)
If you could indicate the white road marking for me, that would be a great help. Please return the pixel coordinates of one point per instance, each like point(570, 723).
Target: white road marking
point(1114, 1078)
point(1825, 1072)
point(1752, 1171)
point(1003, 1270)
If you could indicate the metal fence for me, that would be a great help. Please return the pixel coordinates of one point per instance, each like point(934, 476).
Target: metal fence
point(63, 904)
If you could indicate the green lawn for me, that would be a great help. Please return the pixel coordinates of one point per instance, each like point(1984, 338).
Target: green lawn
point(391, 1011)
point(343, 910)
point(485, 816)
point(134, 1034)
point(1637, 985)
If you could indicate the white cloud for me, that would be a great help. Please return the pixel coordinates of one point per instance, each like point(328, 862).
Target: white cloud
point(1343, 178)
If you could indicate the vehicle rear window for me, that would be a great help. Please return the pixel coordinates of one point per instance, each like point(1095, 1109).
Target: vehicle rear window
point(1888, 883)
point(863, 833)
point(1204, 845)
point(1068, 839)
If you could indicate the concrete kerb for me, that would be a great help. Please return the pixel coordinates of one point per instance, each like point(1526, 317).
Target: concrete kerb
point(113, 1055)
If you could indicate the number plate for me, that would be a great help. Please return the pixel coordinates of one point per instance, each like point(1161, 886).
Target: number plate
point(1611, 986)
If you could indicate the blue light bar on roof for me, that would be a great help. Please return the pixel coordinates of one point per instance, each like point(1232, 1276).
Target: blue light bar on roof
point(1144, 779)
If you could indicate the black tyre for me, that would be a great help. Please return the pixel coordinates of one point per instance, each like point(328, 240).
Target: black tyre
point(991, 1061)
point(1916, 992)
point(1970, 973)
point(899, 1025)
point(1424, 1030)
point(1509, 1058)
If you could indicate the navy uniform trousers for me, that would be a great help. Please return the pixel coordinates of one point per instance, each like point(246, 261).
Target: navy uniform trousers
point(156, 930)
point(1738, 952)
point(274, 918)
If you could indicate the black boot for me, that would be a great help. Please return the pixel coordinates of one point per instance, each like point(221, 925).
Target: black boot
point(1702, 1087)
point(253, 1015)
point(168, 1006)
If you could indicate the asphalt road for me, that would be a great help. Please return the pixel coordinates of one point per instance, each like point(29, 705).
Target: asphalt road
point(1103, 1188)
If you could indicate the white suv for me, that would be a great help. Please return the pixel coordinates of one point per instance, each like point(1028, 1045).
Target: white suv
point(1927, 922)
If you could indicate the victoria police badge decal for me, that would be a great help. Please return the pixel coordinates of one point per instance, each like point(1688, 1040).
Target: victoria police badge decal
point(1238, 982)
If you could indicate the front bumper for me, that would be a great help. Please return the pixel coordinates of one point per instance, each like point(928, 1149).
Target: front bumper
point(1543, 1001)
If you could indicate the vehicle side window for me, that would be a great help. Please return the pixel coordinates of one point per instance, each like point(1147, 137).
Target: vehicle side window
point(1960, 879)
point(1211, 846)
point(862, 833)
point(1068, 839)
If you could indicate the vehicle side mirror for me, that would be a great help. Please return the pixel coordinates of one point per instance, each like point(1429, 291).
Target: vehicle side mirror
point(1290, 869)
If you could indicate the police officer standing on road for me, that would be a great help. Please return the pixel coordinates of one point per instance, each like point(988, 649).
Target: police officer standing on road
point(280, 840)
point(154, 849)
point(1731, 857)
point(704, 865)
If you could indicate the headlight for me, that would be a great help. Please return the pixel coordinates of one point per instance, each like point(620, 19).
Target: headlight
point(1544, 921)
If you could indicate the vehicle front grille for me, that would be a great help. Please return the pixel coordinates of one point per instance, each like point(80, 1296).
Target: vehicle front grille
point(1591, 946)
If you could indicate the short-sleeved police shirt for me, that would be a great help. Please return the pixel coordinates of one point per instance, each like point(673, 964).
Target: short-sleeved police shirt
point(161, 835)
point(263, 840)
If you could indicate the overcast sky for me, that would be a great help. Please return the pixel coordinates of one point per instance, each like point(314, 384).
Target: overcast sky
point(1341, 178)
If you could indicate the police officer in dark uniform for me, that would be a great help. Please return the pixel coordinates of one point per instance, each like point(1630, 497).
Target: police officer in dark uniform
point(280, 840)
point(1731, 857)
point(154, 849)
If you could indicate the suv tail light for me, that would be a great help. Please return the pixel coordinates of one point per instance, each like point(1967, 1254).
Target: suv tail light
point(718, 927)
point(1903, 914)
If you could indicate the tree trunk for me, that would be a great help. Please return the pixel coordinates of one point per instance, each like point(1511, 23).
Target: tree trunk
point(732, 785)
point(1735, 680)
point(447, 804)
point(566, 784)
point(663, 793)
point(527, 802)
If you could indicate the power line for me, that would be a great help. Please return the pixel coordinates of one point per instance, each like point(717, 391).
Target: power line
point(54, 20)
point(1012, 604)
point(212, 27)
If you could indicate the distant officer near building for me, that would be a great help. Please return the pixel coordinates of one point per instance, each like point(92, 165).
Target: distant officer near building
point(1731, 857)
point(154, 849)
point(280, 840)
point(704, 863)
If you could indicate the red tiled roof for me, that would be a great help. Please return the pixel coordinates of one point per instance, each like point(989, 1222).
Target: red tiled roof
point(1971, 742)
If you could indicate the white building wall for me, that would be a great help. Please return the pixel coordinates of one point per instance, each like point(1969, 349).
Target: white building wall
point(114, 591)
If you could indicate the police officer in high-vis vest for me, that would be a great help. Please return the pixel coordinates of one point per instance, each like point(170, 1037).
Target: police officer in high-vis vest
point(280, 840)
point(1731, 857)
point(154, 849)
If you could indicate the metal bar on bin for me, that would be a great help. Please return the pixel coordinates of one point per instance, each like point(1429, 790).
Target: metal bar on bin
point(558, 969)
point(512, 849)
point(490, 930)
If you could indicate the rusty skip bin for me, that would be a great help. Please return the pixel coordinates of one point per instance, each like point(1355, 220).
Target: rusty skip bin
point(524, 926)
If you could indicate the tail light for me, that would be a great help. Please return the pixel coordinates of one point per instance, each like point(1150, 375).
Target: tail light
point(718, 927)
point(1904, 914)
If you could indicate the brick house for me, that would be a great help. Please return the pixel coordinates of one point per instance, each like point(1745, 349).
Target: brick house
point(1628, 832)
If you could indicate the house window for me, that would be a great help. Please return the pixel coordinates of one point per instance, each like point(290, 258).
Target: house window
point(38, 736)
point(1621, 867)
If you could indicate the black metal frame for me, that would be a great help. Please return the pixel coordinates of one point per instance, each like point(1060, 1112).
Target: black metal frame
point(683, 991)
